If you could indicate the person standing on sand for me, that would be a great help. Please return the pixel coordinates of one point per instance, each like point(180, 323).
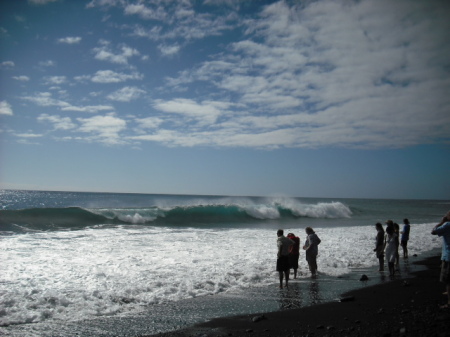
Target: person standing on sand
point(311, 247)
point(405, 237)
point(379, 247)
point(443, 229)
point(283, 244)
point(294, 252)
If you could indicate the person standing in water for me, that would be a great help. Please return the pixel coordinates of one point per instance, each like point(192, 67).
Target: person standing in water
point(391, 249)
point(405, 237)
point(397, 243)
point(311, 247)
point(443, 229)
point(379, 246)
point(283, 244)
point(294, 253)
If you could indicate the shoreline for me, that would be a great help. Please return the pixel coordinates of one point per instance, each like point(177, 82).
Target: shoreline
point(403, 306)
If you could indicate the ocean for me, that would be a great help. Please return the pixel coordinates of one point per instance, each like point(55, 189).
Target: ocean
point(114, 264)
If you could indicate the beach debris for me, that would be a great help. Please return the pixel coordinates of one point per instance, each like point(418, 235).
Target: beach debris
point(364, 277)
point(258, 318)
point(347, 299)
point(249, 330)
point(406, 284)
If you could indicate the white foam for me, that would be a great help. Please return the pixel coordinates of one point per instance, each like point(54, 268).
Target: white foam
point(74, 275)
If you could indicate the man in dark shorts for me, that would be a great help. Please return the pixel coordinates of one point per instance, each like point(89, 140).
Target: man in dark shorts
point(405, 237)
point(443, 229)
point(283, 244)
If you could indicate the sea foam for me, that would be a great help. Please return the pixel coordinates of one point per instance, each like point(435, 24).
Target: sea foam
point(72, 275)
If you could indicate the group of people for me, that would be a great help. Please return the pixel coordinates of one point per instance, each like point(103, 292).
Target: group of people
point(387, 244)
point(289, 253)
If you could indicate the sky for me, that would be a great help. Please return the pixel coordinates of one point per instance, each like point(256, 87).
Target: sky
point(326, 98)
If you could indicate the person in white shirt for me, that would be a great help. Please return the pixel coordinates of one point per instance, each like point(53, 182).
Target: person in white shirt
point(283, 266)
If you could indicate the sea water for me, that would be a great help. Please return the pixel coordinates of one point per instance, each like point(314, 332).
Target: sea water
point(69, 257)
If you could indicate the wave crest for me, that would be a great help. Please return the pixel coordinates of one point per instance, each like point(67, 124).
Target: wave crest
point(185, 215)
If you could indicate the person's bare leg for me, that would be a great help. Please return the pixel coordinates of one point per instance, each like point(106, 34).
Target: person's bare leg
point(287, 278)
point(281, 279)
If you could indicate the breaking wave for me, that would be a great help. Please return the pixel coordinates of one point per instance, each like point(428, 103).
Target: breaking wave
point(186, 215)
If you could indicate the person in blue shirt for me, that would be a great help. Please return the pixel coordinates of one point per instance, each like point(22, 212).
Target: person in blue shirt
point(443, 229)
point(405, 237)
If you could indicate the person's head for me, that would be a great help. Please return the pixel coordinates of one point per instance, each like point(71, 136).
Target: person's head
point(379, 226)
point(390, 223)
point(291, 235)
point(390, 230)
point(309, 230)
point(396, 227)
point(406, 221)
point(280, 232)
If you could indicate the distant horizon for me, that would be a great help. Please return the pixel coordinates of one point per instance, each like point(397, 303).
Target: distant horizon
point(220, 195)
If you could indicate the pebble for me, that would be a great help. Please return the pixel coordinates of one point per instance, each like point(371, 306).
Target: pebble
point(258, 318)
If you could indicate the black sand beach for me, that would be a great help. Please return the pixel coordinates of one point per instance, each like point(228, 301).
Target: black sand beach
point(401, 307)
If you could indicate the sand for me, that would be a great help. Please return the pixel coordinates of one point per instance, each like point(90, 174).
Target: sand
point(401, 307)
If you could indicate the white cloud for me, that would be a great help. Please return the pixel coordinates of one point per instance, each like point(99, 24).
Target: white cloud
point(59, 123)
point(22, 78)
point(145, 12)
point(104, 129)
point(149, 122)
point(45, 99)
point(109, 76)
point(5, 108)
point(70, 40)
point(55, 80)
point(100, 3)
point(88, 108)
point(169, 50)
point(47, 63)
point(104, 53)
point(205, 113)
point(7, 64)
point(28, 135)
point(126, 94)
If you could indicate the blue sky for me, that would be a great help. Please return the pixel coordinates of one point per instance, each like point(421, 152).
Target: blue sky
point(299, 98)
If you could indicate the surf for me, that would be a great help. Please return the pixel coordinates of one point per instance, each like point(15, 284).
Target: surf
point(194, 214)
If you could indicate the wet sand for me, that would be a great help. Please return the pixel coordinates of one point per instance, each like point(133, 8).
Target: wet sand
point(400, 307)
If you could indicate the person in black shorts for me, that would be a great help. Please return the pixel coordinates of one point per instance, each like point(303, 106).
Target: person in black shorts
point(283, 266)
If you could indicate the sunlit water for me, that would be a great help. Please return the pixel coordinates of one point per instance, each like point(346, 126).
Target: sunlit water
point(158, 278)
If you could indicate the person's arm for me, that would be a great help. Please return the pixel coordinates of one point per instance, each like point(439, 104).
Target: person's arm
point(379, 241)
point(435, 230)
point(307, 243)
